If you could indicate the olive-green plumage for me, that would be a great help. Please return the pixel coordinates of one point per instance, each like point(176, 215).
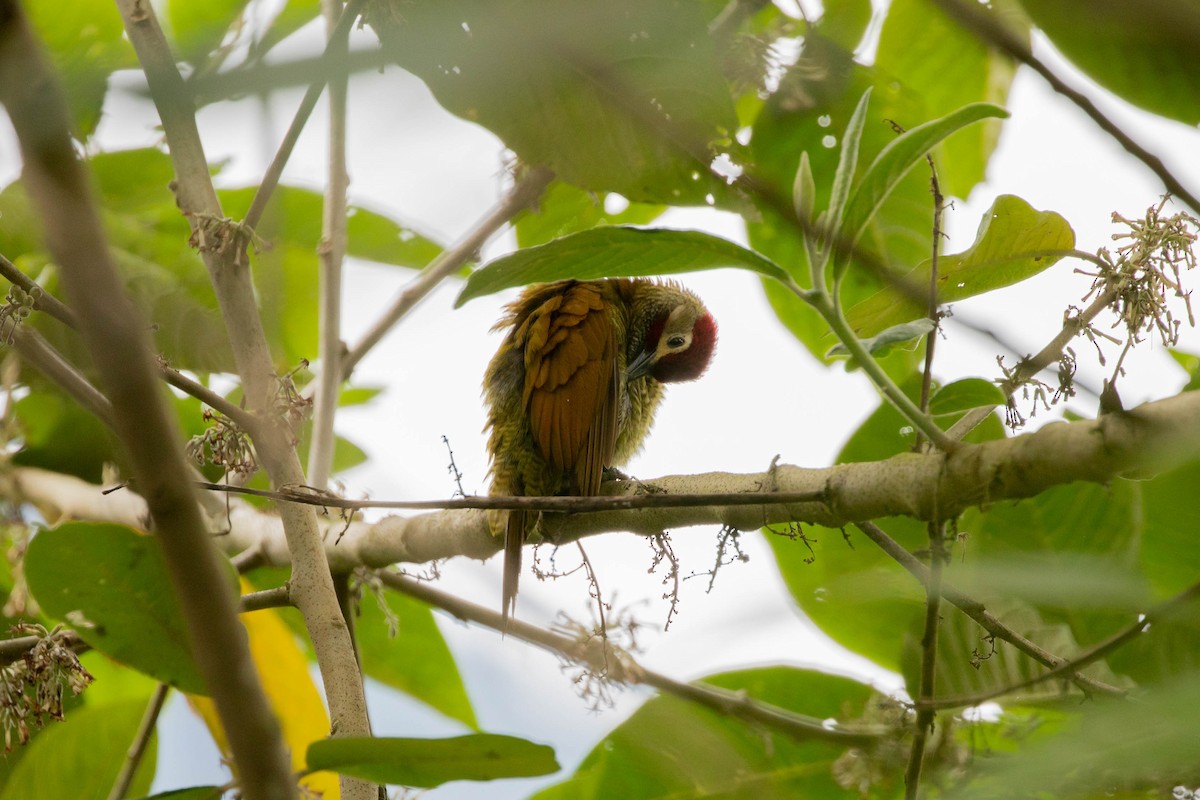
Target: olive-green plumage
point(575, 385)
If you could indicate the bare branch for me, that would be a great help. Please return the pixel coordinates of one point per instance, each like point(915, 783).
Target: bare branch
point(929, 650)
point(335, 51)
point(42, 300)
point(42, 356)
point(137, 749)
point(976, 611)
point(331, 252)
point(120, 349)
point(526, 191)
point(1071, 667)
point(599, 655)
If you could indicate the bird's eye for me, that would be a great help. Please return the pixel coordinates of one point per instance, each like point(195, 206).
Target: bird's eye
point(676, 342)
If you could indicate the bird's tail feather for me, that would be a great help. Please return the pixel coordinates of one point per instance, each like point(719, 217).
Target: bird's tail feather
point(514, 538)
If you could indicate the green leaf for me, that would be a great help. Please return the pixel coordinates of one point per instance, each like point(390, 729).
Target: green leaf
point(907, 334)
point(417, 661)
point(432, 762)
point(1110, 745)
point(841, 581)
point(85, 52)
point(919, 49)
point(614, 252)
point(843, 176)
point(1143, 52)
point(672, 748)
point(564, 209)
point(357, 395)
point(624, 96)
point(1191, 365)
point(198, 28)
point(900, 156)
point(114, 580)
point(294, 217)
point(60, 436)
point(294, 15)
point(1168, 514)
point(81, 756)
point(845, 22)
point(798, 118)
point(1014, 242)
point(965, 395)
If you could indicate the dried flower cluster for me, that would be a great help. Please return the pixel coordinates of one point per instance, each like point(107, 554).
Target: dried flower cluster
point(1147, 272)
point(31, 688)
point(224, 444)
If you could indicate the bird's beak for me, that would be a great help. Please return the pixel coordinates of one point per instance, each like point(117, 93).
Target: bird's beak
point(641, 365)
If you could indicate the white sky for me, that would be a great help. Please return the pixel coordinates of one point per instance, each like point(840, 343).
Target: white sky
point(763, 396)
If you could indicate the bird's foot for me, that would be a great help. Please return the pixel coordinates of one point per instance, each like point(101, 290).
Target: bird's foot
point(614, 474)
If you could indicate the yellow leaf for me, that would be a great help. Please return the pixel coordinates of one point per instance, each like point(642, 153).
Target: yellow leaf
point(283, 669)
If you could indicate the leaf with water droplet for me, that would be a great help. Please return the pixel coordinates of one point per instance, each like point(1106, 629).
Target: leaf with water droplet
point(1015, 241)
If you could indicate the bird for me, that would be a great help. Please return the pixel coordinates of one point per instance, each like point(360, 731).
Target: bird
point(574, 387)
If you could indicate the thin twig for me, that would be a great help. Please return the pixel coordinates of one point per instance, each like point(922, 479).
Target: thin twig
point(15, 649)
point(595, 590)
point(1029, 367)
point(137, 749)
point(42, 300)
point(929, 650)
point(335, 47)
point(1157, 614)
point(597, 654)
point(548, 503)
point(244, 419)
point(331, 253)
point(524, 193)
point(278, 597)
point(933, 588)
point(976, 611)
point(42, 356)
point(939, 208)
point(985, 26)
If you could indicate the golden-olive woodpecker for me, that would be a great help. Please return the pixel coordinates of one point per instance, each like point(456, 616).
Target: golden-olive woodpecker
point(574, 387)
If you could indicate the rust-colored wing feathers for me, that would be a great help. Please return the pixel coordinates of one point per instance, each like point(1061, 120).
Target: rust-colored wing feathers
point(570, 383)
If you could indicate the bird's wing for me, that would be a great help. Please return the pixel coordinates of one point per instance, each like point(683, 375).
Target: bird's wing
point(571, 384)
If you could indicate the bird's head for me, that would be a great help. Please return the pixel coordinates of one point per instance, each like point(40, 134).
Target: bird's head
point(679, 341)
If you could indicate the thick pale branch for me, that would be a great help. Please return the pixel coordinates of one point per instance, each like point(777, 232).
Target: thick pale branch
point(1151, 438)
point(220, 248)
